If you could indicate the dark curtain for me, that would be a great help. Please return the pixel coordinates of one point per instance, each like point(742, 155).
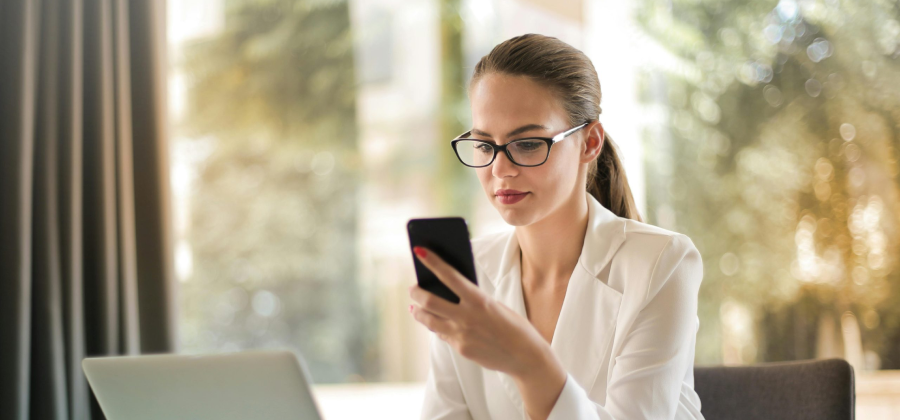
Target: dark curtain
point(85, 245)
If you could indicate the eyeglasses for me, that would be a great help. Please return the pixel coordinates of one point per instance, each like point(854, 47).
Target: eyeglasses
point(531, 151)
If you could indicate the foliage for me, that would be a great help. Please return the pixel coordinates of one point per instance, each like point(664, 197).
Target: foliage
point(778, 157)
point(271, 107)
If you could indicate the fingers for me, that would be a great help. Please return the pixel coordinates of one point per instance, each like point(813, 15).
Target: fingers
point(446, 273)
point(433, 303)
point(434, 323)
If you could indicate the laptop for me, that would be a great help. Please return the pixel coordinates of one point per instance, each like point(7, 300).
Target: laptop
point(260, 385)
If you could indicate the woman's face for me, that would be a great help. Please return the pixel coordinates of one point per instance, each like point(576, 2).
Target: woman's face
point(506, 108)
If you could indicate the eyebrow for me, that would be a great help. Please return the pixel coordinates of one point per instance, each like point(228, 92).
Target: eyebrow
point(520, 130)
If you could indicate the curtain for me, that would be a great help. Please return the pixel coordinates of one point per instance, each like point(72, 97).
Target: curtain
point(85, 242)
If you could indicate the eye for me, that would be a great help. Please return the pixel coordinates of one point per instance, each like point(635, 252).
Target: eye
point(483, 147)
point(529, 145)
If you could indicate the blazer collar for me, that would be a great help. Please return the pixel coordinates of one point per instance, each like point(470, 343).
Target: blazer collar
point(588, 316)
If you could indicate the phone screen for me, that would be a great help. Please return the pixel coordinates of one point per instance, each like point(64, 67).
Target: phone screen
point(448, 237)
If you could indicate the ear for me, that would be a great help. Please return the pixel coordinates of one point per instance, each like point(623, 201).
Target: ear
point(594, 142)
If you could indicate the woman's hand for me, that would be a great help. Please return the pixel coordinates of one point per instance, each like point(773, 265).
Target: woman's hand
point(482, 329)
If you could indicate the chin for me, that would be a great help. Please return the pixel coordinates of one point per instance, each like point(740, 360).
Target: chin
point(516, 217)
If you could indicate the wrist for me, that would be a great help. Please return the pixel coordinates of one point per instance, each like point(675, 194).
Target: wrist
point(540, 384)
point(541, 368)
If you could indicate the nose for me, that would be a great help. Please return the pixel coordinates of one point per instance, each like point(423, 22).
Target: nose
point(503, 167)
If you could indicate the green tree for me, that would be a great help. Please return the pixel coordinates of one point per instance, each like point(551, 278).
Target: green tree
point(779, 159)
point(273, 214)
point(453, 180)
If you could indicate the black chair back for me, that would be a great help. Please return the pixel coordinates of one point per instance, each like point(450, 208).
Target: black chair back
point(814, 390)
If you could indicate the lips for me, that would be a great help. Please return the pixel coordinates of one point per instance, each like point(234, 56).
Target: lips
point(507, 196)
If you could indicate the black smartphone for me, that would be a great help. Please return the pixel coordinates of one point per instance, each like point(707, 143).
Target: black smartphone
point(448, 237)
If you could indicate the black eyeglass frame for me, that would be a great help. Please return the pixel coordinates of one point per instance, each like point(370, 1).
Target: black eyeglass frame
point(503, 148)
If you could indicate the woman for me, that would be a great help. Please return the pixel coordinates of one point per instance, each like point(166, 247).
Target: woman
point(582, 311)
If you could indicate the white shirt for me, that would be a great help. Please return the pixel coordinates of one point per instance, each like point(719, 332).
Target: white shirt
point(625, 335)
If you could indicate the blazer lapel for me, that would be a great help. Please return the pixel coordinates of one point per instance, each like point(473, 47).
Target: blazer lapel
point(586, 325)
point(587, 319)
point(508, 291)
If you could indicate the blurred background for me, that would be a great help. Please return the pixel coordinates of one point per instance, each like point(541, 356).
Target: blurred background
point(305, 133)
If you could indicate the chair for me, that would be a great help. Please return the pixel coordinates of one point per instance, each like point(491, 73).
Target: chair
point(809, 389)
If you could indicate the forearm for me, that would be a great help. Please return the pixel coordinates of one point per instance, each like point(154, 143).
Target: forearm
point(540, 384)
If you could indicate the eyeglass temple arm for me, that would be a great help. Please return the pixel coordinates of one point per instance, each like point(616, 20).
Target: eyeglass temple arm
point(555, 138)
point(466, 134)
point(565, 134)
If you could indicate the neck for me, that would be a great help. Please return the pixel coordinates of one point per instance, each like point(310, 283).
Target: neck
point(551, 247)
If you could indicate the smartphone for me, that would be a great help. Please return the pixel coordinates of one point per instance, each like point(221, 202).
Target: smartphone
point(448, 237)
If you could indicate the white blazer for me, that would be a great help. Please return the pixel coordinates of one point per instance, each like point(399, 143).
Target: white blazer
point(625, 335)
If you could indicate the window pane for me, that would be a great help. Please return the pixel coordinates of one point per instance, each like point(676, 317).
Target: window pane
point(267, 140)
point(774, 148)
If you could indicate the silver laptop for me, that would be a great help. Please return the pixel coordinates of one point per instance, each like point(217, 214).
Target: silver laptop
point(259, 385)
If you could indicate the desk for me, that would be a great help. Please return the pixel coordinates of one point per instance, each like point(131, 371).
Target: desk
point(375, 401)
point(878, 395)
point(877, 398)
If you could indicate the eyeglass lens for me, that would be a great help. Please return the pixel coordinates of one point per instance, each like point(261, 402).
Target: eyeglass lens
point(523, 152)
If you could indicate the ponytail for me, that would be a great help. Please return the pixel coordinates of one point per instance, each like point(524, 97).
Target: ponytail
point(609, 185)
point(571, 75)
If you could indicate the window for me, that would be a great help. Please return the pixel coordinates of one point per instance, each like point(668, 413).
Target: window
point(306, 134)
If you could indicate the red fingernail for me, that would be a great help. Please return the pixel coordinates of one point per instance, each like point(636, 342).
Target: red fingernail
point(420, 251)
point(410, 308)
